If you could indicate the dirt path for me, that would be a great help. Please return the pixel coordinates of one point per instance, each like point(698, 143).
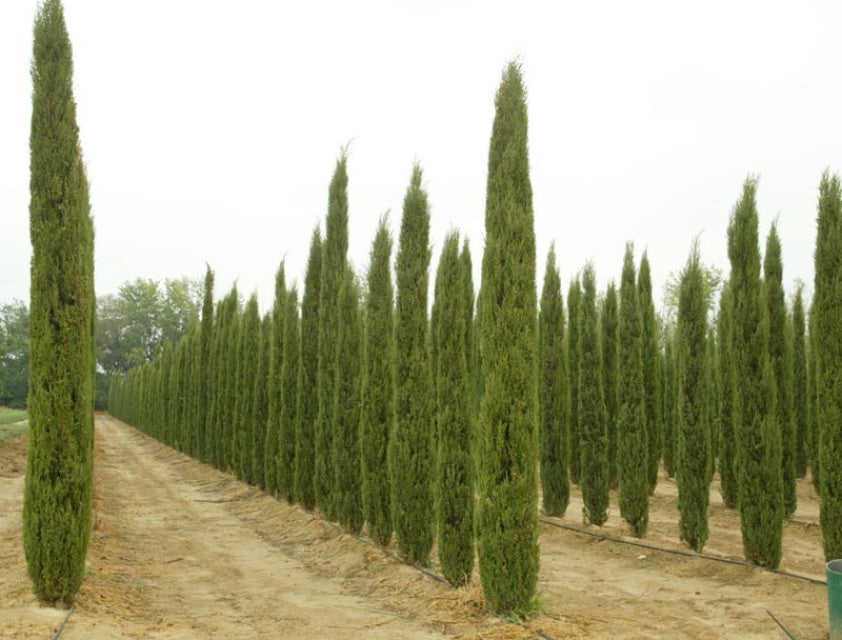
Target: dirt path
point(180, 550)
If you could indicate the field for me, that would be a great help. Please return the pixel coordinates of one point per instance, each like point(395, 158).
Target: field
point(180, 550)
point(12, 423)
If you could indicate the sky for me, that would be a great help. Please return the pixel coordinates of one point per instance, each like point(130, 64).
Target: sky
point(211, 128)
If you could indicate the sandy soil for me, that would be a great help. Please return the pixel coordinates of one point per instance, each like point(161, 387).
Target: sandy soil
point(180, 550)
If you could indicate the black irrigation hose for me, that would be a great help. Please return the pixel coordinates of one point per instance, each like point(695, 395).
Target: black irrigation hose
point(679, 552)
point(64, 622)
point(780, 624)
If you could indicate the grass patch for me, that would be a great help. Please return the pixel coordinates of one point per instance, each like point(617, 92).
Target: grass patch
point(10, 430)
point(8, 416)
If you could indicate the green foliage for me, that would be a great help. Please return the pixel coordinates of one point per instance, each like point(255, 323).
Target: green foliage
point(781, 361)
point(334, 264)
point(758, 436)
point(670, 415)
point(14, 354)
point(455, 493)
point(799, 383)
point(347, 487)
point(651, 372)
point(632, 446)
point(260, 406)
point(507, 522)
point(410, 454)
point(694, 441)
point(205, 372)
point(726, 372)
point(574, 355)
point(59, 466)
point(289, 398)
point(593, 433)
point(378, 388)
point(308, 400)
point(248, 348)
point(553, 395)
point(813, 401)
point(276, 363)
point(827, 319)
point(609, 324)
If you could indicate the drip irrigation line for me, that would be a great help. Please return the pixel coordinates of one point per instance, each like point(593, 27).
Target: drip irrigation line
point(679, 552)
point(64, 622)
point(780, 624)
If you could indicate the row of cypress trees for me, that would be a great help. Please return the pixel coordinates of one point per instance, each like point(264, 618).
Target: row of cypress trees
point(363, 406)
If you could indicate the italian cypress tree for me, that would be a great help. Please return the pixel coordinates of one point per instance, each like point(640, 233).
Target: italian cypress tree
point(260, 407)
point(378, 388)
point(728, 396)
point(226, 316)
point(610, 373)
point(694, 442)
point(574, 354)
point(410, 447)
point(57, 493)
point(593, 465)
point(828, 337)
point(553, 398)
point(799, 382)
point(347, 489)
point(712, 386)
point(289, 398)
point(632, 447)
point(651, 371)
point(778, 351)
point(670, 414)
point(276, 363)
point(231, 382)
point(334, 264)
point(249, 343)
point(308, 400)
point(455, 492)
point(59, 468)
point(813, 400)
point(758, 438)
point(508, 490)
point(205, 371)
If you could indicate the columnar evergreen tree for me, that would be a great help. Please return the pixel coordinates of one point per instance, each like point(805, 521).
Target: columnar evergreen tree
point(712, 386)
point(410, 446)
point(694, 441)
point(813, 400)
point(57, 493)
point(276, 362)
point(553, 396)
point(507, 522)
point(758, 437)
point(799, 382)
point(249, 343)
point(289, 398)
point(593, 464)
point(378, 388)
point(227, 317)
point(778, 351)
point(347, 486)
point(610, 372)
point(670, 404)
point(827, 305)
point(308, 398)
point(651, 372)
point(726, 372)
point(231, 382)
point(632, 446)
point(334, 264)
point(260, 407)
point(205, 371)
point(455, 491)
point(574, 354)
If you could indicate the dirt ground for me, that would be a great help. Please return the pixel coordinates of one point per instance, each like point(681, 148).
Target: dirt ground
point(180, 550)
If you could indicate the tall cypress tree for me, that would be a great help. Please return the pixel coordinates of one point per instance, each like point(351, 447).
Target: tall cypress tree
point(828, 336)
point(632, 447)
point(813, 400)
point(574, 354)
point(553, 397)
point(260, 407)
point(610, 372)
point(289, 398)
point(651, 372)
point(57, 494)
point(728, 396)
point(308, 398)
point(778, 351)
point(231, 382)
point(378, 406)
point(334, 264)
point(271, 441)
point(593, 465)
point(249, 343)
point(455, 491)
point(694, 442)
point(758, 437)
point(410, 447)
point(799, 382)
point(670, 404)
point(508, 489)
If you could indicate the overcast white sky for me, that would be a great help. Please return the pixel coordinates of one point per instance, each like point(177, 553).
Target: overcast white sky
point(211, 128)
